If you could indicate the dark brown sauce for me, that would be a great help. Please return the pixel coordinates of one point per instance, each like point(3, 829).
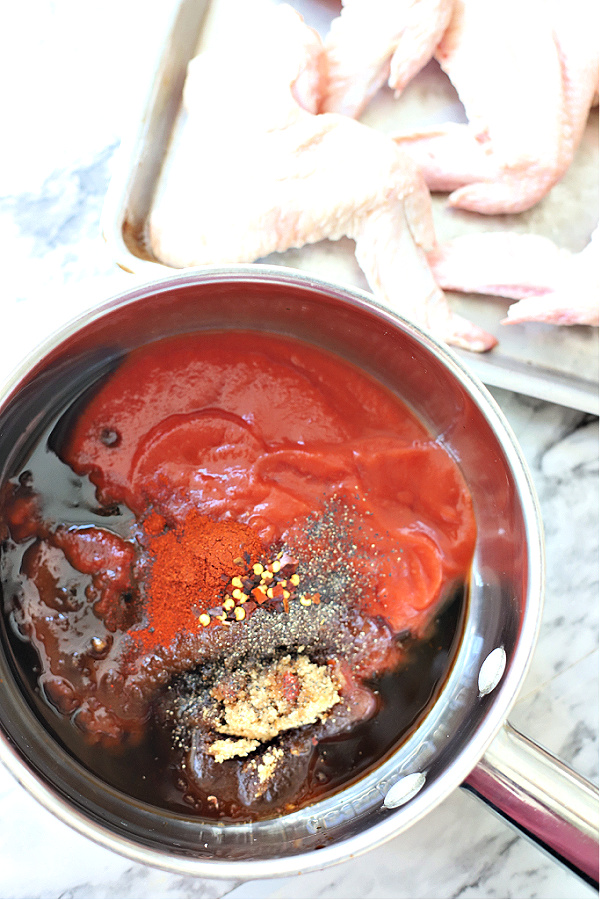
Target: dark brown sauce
point(149, 771)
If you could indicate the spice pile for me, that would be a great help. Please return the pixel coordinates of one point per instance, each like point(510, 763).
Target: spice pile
point(205, 573)
point(191, 564)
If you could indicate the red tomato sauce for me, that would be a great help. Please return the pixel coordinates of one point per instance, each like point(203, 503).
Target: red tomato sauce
point(262, 430)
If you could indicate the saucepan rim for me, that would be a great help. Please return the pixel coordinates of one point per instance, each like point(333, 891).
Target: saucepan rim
point(495, 715)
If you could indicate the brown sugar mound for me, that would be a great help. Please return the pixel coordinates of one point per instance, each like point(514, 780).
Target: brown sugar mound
point(260, 703)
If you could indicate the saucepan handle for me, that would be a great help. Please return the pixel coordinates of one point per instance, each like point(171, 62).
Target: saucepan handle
point(544, 799)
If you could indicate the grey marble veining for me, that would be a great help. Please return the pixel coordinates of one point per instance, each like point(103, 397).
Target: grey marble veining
point(52, 185)
point(438, 857)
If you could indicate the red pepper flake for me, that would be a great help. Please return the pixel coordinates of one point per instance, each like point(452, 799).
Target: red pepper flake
point(290, 687)
point(259, 595)
point(277, 592)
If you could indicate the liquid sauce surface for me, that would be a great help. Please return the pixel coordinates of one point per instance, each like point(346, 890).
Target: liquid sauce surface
point(238, 462)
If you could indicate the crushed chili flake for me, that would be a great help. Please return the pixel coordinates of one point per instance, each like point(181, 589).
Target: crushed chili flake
point(272, 586)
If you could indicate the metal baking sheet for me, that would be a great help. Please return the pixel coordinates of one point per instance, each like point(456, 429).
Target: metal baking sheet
point(555, 363)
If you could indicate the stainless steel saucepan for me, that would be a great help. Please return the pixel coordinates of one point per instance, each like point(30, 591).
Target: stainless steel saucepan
point(465, 739)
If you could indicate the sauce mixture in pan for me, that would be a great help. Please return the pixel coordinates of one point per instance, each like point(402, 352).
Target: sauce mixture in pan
point(235, 573)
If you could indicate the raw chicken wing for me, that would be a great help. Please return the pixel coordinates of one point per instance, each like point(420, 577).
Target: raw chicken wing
point(551, 284)
point(527, 73)
point(261, 174)
point(374, 41)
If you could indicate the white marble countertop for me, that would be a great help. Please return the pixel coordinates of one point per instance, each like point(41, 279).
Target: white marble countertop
point(76, 79)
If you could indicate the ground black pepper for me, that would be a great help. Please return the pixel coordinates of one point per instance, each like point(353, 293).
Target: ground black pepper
point(327, 559)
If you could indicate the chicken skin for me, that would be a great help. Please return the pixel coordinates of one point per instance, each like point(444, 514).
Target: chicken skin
point(259, 172)
point(527, 74)
point(374, 41)
point(551, 284)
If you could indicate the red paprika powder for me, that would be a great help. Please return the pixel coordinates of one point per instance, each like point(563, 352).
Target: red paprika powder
point(191, 565)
